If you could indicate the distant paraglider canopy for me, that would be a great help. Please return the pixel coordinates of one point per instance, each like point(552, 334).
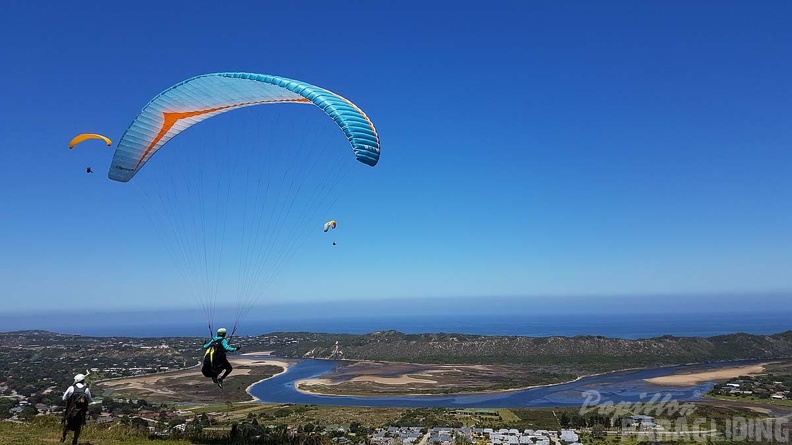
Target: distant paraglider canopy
point(85, 136)
point(236, 197)
point(329, 225)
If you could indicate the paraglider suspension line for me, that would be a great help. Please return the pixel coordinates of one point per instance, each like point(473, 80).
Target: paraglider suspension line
point(233, 331)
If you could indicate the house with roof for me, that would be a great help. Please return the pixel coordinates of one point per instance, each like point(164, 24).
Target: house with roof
point(568, 436)
point(639, 421)
point(104, 418)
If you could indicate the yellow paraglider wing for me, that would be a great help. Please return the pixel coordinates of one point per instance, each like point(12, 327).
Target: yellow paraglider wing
point(85, 136)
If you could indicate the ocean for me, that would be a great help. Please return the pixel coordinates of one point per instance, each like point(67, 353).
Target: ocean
point(623, 325)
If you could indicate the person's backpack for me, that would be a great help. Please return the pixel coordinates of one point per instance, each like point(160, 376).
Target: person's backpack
point(213, 359)
point(76, 407)
point(79, 398)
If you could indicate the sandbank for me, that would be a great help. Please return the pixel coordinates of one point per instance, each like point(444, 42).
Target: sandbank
point(421, 375)
point(694, 378)
point(157, 383)
point(400, 380)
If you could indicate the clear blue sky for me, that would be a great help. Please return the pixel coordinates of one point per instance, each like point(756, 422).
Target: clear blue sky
point(530, 148)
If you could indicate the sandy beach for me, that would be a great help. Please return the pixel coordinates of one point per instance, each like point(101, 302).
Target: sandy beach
point(250, 359)
point(171, 384)
point(695, 378)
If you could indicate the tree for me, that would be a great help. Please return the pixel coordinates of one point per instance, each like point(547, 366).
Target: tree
point(460, 439)
point(5, 406)
point(109, 404)
point(282, 412)
point(598, 431)
point(95, 410)
point(27, 413)
point(138, 422)
point(194, 427)
point(564, 420)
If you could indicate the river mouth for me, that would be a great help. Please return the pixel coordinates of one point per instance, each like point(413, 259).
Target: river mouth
point(630, 386)
point(267, 379)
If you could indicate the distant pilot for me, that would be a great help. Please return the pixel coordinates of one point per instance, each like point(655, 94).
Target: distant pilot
point(88, 170)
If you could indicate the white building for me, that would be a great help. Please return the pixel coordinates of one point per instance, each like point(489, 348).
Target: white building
point(568, 436)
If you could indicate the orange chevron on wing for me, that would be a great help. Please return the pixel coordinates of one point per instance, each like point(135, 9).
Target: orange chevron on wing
point(171, 117)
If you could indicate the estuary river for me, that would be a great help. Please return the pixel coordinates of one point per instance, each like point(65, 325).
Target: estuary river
point(623, 386)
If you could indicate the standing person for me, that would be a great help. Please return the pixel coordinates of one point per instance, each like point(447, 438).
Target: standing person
point(215, 360)
point(77, 398)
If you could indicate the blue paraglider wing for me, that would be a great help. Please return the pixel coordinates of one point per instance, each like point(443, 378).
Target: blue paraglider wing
point(199, 98)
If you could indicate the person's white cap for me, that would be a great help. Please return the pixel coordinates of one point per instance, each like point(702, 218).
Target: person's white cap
point(79, 378)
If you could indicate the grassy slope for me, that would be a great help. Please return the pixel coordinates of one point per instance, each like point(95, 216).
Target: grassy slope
point(47, 429)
